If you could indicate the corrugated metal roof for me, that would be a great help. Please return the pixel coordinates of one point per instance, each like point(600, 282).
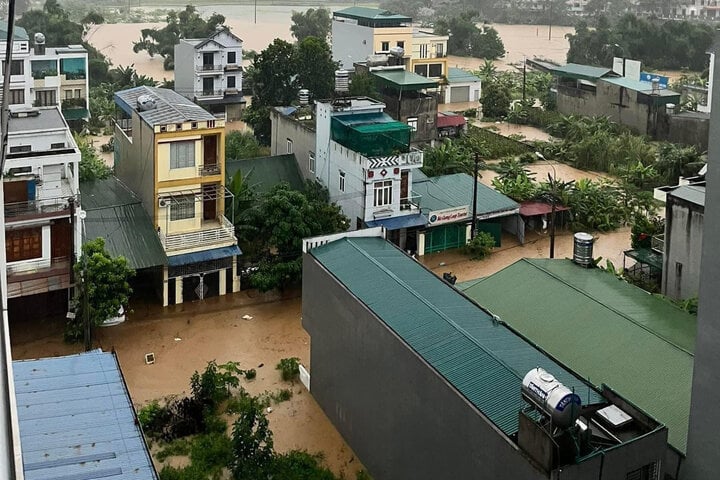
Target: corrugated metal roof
point(642, 87)
point(585, 72)
point(266, 172)
point(19, 33)
point(483, 360)
point(458, 75)
point(604, 329)
point(449, 191)
point(404, 80)
point(171, 106)
point(690, 193)
point(77, 421)
point(115, 214)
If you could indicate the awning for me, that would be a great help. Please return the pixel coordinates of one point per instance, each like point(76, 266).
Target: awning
point(530, 209)
point(76, 114)
point(646, 256)
point(204, 256)
point(445, 120)
point(396, 223)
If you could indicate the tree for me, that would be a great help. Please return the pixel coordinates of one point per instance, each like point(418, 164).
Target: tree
point(495, 100)
point(103, 288)
point(240, 145)
point(92, 167)
point(311, 23)
point(363, 85)
point(183, 24)
point(315, 67)
point(445, 159)
point(252, 443)
point(468, 40)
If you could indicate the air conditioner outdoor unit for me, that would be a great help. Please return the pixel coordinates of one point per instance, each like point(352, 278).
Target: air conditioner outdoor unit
point(163, 202)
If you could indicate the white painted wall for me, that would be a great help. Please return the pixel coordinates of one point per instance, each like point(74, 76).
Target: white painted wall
point(350, 43)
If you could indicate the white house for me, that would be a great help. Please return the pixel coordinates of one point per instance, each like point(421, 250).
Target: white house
point(209, 72)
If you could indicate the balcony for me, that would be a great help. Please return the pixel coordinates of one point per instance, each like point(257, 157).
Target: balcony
point(214, 233)
point(209, 68)
point(657, 244)
point(209, 170)
point(411, 202)
point(17, 211)
point(209, 93)
point(32, 277)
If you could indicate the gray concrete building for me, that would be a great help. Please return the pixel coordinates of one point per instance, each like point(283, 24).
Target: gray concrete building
point(424, 384)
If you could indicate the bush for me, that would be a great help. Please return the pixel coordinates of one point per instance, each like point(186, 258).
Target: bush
point(495, 145)
point(481, 246)
point(250, 374)
point(152, 418)
point(495, 100)
point(289, 368)
point(282, 395)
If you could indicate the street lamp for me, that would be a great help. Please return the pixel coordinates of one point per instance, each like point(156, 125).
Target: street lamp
point(553, 201)
point(473, 228)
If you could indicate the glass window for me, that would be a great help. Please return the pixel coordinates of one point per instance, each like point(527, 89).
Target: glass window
point(182, 154)
point(289, 146)
point(383, 193)
point(384, 46)
point(440, 50)
point(413, 123)
point(231, 57)
point(342, 182)
point(311, 162)
point(72, 68)
point(435, 70)
point(43, 68)
point(401, 44)
point(182, 208)
point(17, 68)
point(17, 96)
point(21, 149)
point(231, 82)
point(77, 93)
point(423, 50)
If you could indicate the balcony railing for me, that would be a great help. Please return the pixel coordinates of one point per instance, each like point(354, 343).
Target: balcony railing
point(210, 93)
point(208, 67)
point(200, 238)
point(657, 243)
point(37, 265)
point(210, 169)
point(32, 208)
point(411, 202)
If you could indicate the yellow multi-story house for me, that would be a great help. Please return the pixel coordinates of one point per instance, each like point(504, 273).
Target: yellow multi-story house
point(429, 54)
point(171, 152)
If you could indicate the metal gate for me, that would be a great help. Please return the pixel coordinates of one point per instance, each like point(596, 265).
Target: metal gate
point(444, 237)
point(459, 94)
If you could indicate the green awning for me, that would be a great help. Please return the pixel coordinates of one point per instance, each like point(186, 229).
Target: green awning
point(646, 256)
point(76, 114)
point(403, 80)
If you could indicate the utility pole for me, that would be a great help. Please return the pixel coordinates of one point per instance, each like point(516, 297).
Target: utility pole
point(473, 228)
point(524, 76)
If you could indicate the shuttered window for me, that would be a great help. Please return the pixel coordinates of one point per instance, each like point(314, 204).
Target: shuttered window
point(182, 154)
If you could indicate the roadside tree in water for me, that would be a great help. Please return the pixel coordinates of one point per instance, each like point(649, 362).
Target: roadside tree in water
point(468, 40)
point(314, 22)
point(92, 167)
point(495, 100)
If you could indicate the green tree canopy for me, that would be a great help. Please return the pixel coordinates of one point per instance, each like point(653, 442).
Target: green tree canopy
point(92, 167)
point(315, 67)
point(495, 100)
point(180, 24)
point(240, 145)
point(468, 40)
point(311, 23)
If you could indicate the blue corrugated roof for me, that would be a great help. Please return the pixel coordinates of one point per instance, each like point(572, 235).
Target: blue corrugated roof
point(77, 421)
point(483, 359)
point(204, 256)
point(396, 223)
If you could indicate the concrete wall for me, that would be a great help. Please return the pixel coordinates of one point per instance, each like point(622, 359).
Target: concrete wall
point(683, 245)
point(689, 128)
point(401, 418)
point(351, 43)
point(134, 162)
point(185, 69)
point(422, 107)
point(302, 136)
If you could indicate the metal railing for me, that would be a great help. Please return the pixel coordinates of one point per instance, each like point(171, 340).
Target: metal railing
point(125, 124)
point(15, 210)
point(210, 169)
point(208, 67)
point(199, 238)
point(410, 202)
point(210, 93)
point(34, 265)
point(657, 243)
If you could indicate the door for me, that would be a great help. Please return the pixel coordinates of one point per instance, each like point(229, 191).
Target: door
point(23, 244)
point(60, 239)
point(16, 192)
point(459, 94)
point(210, 150)
point(444, 237)
point(208, 61)
point(209, 202)
point(404, 194)
point(208, 85)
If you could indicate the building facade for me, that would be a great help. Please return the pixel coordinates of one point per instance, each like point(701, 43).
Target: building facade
point(359, 32)
point(42, 76)
point(171, 153)
point(40, 182)
point(429, 54)
point(209, 72)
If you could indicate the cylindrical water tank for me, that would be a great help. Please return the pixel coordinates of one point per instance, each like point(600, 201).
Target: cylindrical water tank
point(583, 249)
point(556, 400)
point(669, 108)
point(304, 96)
point(342, 81)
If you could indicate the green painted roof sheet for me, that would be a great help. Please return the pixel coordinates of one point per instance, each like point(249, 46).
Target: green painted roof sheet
point(484, 360)
point(376, 14)
point(266, 172)
point(604, 329)
point(115, 214)
point(19, 33)
point(646, 256)
point(458, 75)
point(642, 87)
point(76, 113)
point(449, 191)
point(404, 80)
point(584, 72)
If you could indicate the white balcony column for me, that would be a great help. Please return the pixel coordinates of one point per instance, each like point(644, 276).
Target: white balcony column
point(235, 276)
point(421, 244)
point(166, 300)
point(222, 277)
point(178, 290)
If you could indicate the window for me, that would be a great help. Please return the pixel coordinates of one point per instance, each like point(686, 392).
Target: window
point(17, 67)
point(23, 244)
point(440, 50)
point(17, 96)
point(435, 70)
point(21, 149)
point(182, 154)
point(231, 82)
point(77, 93)
point(413, 123)
point(342, 181)
point(57, 145)
point(383, 193)
point(68, 94)
point(422, 69)
point(401, 44)
point(182, 208)
point(19, 171)
point(44, 98)
point(423, 50)
point(232, 58)
point(384, 46)
point(289, 146)
point(647, 472)
point(311, 162)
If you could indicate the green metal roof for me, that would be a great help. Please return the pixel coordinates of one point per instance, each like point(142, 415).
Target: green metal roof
point(584, 72)
point(484, 360)
point(646, 256)
point(266, 172)
point(449, 191)
point(690, 193)
point(117, 215)
point(403, 80)
point(604, 329)
point(458, 75)
point(374, 15)
point(19, 33)
point(76, 113)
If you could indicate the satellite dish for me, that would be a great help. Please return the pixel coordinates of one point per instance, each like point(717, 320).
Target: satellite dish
point(39, 38)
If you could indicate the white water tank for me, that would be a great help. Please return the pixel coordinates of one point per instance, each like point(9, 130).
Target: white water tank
point(304, 96)
point(555, 399)
point(342, 81)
